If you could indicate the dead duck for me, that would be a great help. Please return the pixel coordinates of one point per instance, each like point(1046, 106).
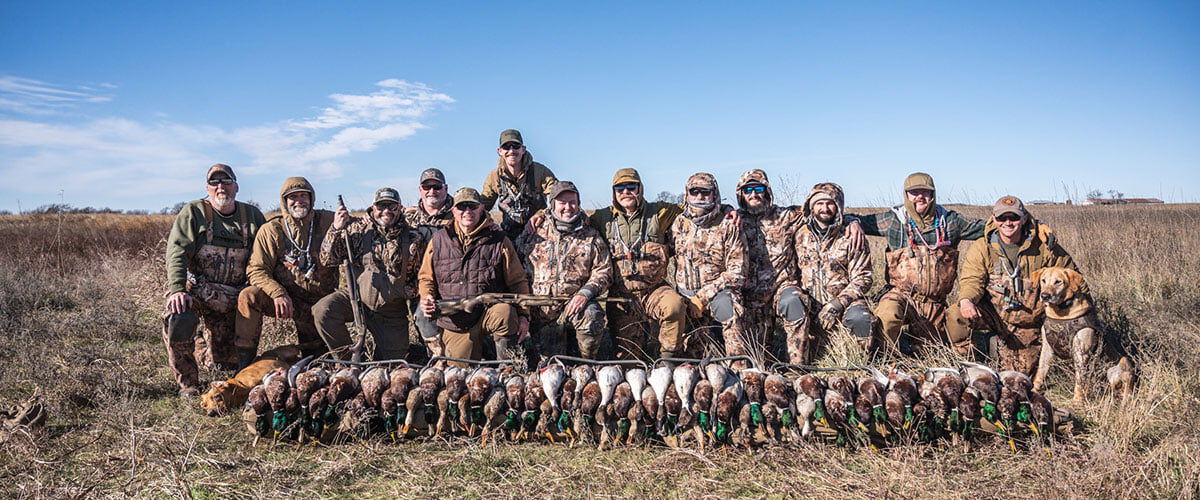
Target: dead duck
point(684, 378)
point(726, 408)
point(987, 383)
point(317, 404)
point(276, 386)
point(564, 420)
point(514, 395)
point(585, 411)
point(618, 414)
point(950, 386)
point(394, 401)
point(582, 374)
point(1014, 403)
point(702, 402)
point(423, 399)
point(660, 381)
point(778, 394)
point(258, 402)
point(1042, 416)
point(308, 382)
point(839, 400)
point(670, 413)
point(902, 395)
point(479, 387)
point(753, 381)
point(449, 399)
point(373, 384)
point(810, 402)
point(354, 415)
point(494, 409)
point(969, 406)
point(869, 403)
point(609, 378)
point(343, 386)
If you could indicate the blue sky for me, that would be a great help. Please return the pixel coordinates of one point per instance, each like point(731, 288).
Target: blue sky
point(125, 104)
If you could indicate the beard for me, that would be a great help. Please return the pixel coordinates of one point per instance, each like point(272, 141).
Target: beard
point(298, 212)
point(222, 200)
point(825, 217)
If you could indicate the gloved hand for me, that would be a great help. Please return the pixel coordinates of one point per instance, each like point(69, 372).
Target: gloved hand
point(831, 314)
point(695, 307)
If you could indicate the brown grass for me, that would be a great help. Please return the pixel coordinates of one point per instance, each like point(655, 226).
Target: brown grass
point(80, 298)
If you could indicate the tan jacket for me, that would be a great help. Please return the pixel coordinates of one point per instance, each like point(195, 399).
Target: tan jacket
point(986, 273)
point(285, 259)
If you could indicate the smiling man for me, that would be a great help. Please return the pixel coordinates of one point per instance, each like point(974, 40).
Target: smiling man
point(996, 292)
point(518, 185)
point(286, 276)
point(207, 253)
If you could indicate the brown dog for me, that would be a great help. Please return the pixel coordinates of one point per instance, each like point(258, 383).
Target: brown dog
point(231, 394)
point(1071, 331)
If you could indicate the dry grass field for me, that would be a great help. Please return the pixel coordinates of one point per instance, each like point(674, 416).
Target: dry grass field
point(80, 297)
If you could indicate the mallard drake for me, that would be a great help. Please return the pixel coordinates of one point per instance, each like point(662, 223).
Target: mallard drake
point(778, 393)
point(318, 402)
point(609, 378)
point(752, 383)
point(1043, 418)
point(1014, 403)
point(969, 406)
point(374, 383)
point(480, 385)
point(258, 402)
point(534, 397)
point(449, 400)
point(276, 386)
point(684, 378)
point(582, 374)
point(552, 376)
point(810, 402)
point(727, 407)
point(622, 402)
point(353, 418)
point(901, 396)
point(868, 404)
point(585, 411)
point(637, 381)
point(949, 385)
point(423, 399)
point(494, 409)
point(987, 383)
point(564, 420)
point(308, 382)
point(394, 399)
point(670, 412)
point(839, 400)
point(702, 403)
point(514, 398)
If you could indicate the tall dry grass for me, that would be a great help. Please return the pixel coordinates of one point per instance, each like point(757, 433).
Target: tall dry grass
point(79, 303)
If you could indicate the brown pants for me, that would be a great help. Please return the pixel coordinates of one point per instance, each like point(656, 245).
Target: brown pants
point(253, 303)
point(661, 307)
point(499, 321)
point(927, 320)
point(214, 344)
point(1019, 346)
point(388, 326)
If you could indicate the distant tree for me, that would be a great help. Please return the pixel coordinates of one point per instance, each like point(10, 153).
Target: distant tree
point(1095, 193)
point(668, 197)
point(173, 209)
point(5, 212)
point(1116, 195)
point(52, 209)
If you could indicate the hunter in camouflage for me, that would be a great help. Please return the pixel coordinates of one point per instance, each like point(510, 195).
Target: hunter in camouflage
point(835, 273)
point(386, 258)
point(207, 253)
point(710, 261)
point(517, 186)
point(566, 257)
point(430, 214)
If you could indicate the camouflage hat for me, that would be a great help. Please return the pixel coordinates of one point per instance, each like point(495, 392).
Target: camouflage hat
point(220, 168)
point(467, 194)
point(511, 135)
point(432, 174)
point(918, 180)
point(561, 187)
point(1008, 205)
point(387, 194)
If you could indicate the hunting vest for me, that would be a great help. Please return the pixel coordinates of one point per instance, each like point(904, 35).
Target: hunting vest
point(640, 254)
point(225, 265)
point(1012, 293)
point(522, 198)
point(1060, 333)
point(384, 262)
point(925, 270)
point(464, 273)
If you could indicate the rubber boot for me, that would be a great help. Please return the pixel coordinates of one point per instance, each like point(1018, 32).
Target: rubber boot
point(502, 345)
point(245, 356)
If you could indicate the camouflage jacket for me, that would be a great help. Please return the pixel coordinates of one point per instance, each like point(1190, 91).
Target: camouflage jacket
point(426, 223)
point(827, 267)
point(395, 252)
point(769, 240)
point(566, 263)
point(708, 258)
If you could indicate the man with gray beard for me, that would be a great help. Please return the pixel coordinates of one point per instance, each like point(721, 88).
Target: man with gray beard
point(207, 253)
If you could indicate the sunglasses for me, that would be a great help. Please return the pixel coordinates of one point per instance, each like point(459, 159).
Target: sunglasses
point(632, 187)
point(221, 180)
point(466, 206)
point(509, 146)
point(390, 207)
point(433, 187)
point(700, 192)
point(1008, 218)
point(754, 189)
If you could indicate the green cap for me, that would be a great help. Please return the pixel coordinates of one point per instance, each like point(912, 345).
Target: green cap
point(511, 135)
point(561, 187)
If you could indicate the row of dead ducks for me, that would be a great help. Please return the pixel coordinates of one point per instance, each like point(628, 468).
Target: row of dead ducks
point(704, 404)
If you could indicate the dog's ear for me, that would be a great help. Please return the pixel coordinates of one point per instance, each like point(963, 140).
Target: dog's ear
point(1036, 277)
point(1074, 279)
point(217, 384)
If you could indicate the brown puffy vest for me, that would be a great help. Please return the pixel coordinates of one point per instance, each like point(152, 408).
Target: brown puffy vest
point(463, 274)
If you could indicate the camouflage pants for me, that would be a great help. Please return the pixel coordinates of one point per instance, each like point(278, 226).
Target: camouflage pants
point(1018, 347)
point(927, 320)
point(856, 318)
point(253, 303)
point(661, 308)
point(786, 308)
point(726, 309)
point(588, 327)
point(189, 347)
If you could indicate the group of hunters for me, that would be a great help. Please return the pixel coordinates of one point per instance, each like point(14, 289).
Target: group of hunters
point(638, 279)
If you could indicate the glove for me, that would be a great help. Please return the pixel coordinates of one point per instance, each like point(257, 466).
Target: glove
point(695, 307)
point(831, 314)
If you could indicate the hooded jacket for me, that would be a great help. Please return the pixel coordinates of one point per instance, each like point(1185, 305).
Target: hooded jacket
point(769, 238)
point(627, 234)
point(566, 262)
point(285, 245)
point(210, 245)
point(828, 268)
point(986, 272)
point(707, 249)
point(519, 198)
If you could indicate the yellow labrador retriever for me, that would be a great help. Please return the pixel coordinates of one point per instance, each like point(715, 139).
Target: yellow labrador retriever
point(224, 396)
point(1071, 331)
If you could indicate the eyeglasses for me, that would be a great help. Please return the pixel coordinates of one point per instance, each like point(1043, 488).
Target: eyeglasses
point(466, 206)
point(700, 192)
point(754, 189)
point(220, 180)
point(631, 187)
point(390, 207)
point(433, 187)
point(1008, 218)
point(509, 146)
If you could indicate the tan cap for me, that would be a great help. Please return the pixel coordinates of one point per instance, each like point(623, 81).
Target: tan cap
point(561, 187)
point(467, 194)
point(432, 174)
point(511, 135)
point(918, 180)
point(220, 167)
point(1008, 205)
point(387, 194)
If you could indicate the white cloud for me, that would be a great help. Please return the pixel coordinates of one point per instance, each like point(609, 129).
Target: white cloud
point(29, 96)
point(131, 158)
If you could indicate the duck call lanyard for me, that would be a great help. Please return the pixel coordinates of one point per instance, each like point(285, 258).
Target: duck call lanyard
point(637, 244)
point(1016, 286)
point(299, 256)
point(939, 231)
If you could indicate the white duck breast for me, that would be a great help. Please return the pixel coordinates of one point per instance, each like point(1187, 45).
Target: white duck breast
point(660, 380)
point(717, 375)
point(609, 378)
point(686, 376)
point(637, 380)
point(552, 376)
point(582, 374)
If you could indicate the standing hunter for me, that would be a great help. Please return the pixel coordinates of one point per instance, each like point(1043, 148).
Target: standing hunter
point(996, 290)
point(518, 185)
point(428, 216)
point(710, 261)
point(207, 252)
point(466, 259)
point(286, 276)
point(835, 272)
point(636, 231)
point(921, 264)
point(386, 257)
point(566, 257)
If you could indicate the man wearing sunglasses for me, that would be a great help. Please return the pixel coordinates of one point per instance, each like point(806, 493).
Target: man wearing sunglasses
point(518, 185)
point(995, 290)
point(386, 252)
point(466, 259)
point(636, 230)
point(710, 263)
point(286, 276)
point(428, 216)
point(207, 253)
